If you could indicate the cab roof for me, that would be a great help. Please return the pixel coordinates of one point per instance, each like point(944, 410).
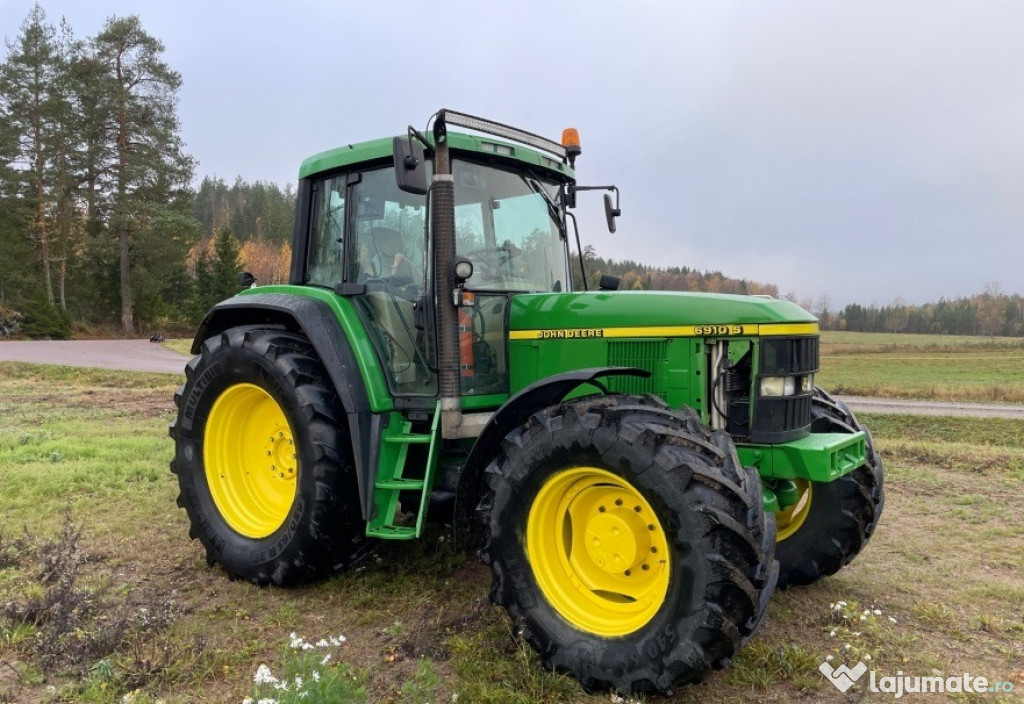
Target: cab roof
point(376, 149)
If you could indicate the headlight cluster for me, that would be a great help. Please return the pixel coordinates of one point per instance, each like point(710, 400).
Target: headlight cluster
point(786, 385)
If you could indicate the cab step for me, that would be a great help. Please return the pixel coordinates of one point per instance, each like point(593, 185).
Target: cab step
point(391, 482)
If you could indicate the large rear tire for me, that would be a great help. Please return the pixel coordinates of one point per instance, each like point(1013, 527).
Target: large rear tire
point(262, 460)
point(626, 542)
point(832, 521)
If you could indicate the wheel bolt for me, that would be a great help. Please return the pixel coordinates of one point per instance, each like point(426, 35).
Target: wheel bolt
point(280, 434)
point(646, 567)
point(600, 509)
point(650, 526)
point(654, 549)
point(627, 573)
point(637, 509)
point(618, 502)
point(269, 453)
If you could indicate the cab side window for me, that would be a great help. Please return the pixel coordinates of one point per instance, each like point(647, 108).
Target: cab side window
point(327, 226)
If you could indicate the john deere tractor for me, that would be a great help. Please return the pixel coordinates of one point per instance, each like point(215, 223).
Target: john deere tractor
point(638, 469)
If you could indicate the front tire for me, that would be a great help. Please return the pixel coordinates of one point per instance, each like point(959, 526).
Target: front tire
point(627, 544)
point(832, 521)
point(262, 461)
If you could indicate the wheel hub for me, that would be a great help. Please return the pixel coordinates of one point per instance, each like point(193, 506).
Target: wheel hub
point(617, 540)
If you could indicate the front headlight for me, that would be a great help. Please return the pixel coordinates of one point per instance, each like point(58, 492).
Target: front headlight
point(778, 385)
point(786, 385)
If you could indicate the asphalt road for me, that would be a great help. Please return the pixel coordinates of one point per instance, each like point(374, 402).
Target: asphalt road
point(127, 355)
point(145, 356)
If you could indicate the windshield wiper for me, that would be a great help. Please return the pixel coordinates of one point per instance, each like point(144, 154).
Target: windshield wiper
point(534, 183)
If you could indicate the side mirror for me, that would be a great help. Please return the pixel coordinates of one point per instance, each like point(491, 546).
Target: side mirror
point(410, 166)
point(246, 279)
point(611, 211)
point(609, 282)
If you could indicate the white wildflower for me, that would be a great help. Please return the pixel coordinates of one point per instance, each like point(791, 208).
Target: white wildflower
point(867, 612)
point(322, 643)
point(267, 700)
point(829, 658)
point(281, 686)
point(296, 641)
point(303, 694)
point(455, 696)
point(832, 634)
point(316, 675)
point(841, 603)
point(846, 647)
point(863, 618)
point(307, 646)
point(247, 700)
point(616, 699)
point(892, 619)
point(866, 658)
point(264, 675)
point(327, 659)
point(878, 612)
point(298, 681)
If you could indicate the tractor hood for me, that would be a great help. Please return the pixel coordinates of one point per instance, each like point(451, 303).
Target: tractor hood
point(584, 314)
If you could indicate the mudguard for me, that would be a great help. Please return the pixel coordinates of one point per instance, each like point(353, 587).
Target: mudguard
point(315, 320)
point(513, 413)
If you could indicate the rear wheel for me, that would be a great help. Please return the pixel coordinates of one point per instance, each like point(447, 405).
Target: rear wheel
point(262, 461)
point(831, 522)
point(626, 543)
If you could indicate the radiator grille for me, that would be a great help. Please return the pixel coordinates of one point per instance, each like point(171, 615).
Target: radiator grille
point(649, 355)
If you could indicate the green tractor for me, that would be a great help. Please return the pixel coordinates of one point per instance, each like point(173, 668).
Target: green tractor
point(638, 469)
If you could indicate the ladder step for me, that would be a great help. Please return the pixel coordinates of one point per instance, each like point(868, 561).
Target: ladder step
point(400, 484)
point(392, 532)
point(409, 439)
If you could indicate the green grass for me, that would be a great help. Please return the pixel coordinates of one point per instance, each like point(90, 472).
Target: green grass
point(179, 345)
point(945, 564)
point(923, 366)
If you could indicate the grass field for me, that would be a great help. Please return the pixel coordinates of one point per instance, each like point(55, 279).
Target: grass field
point(103, 598)
point(941, 367)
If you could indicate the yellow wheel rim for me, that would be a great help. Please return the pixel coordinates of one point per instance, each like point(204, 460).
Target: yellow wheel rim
point(598, 551)
point(250, 457)
point(789, 521)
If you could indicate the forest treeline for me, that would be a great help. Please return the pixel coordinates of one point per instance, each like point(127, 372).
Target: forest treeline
point(101, 226)
point(99, 222)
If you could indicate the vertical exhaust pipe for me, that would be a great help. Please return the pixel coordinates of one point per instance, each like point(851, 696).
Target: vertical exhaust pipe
point(442, 216)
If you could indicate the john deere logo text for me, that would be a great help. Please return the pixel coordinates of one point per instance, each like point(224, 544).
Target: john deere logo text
point(571, 333)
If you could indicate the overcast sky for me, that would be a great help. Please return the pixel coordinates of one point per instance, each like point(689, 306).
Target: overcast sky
point(861, 150)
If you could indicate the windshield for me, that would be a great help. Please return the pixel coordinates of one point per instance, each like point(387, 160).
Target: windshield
point(509, 225)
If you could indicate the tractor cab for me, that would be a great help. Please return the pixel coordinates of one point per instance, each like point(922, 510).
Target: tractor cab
point(368, 238)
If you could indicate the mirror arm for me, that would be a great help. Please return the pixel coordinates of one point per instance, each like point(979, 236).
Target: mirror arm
point(579, 249)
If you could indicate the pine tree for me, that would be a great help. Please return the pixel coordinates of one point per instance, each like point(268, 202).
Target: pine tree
point(135, 125)
point(30, 108)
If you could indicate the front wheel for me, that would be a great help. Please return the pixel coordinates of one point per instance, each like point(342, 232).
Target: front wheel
point(262, 461)
point(831, 522)
point(627, 544)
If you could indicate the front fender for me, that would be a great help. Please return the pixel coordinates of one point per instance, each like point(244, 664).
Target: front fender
point(512, 414)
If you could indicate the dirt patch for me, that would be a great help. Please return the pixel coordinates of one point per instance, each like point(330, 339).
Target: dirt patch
point(148, 403)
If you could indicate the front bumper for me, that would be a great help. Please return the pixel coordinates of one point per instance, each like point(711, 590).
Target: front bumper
point(819, 457)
